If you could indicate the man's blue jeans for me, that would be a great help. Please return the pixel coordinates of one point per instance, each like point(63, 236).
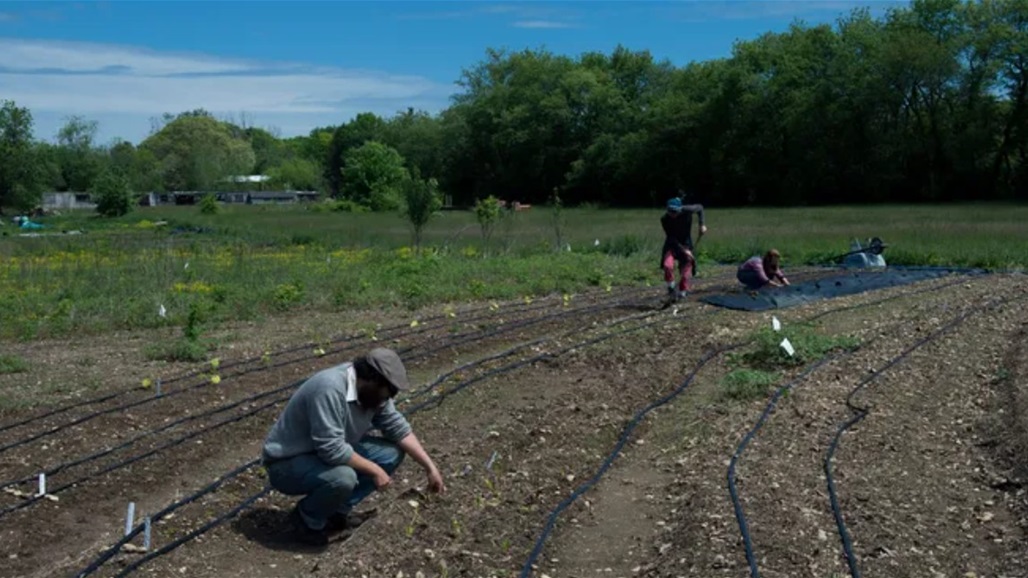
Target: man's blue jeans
point(331, 489)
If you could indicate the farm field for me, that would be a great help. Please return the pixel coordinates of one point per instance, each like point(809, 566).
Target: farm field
point(523, 394)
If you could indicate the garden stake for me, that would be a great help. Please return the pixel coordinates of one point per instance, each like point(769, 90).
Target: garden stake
point(130, 518)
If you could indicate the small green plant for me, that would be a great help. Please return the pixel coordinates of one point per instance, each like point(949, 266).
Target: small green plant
point(415, 519)
point(287, 295)
point(455, 528)
point(190, 347)
point(209, 204)
point(12, 364)
point(487, 213)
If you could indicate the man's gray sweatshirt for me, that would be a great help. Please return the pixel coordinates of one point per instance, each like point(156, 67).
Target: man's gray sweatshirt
point(323, 417)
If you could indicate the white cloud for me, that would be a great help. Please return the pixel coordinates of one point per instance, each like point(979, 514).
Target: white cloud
point(98, 80)
point(517, 15)
point(541, 24)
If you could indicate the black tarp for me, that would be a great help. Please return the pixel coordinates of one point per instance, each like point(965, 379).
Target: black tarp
point(831, 286)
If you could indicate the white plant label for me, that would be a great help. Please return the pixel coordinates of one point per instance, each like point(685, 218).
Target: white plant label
point(775, 323)
point(42, 485)
point(787, 347)
point(130, 518)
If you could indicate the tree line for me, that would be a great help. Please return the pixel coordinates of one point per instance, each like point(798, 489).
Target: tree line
point(924, 103)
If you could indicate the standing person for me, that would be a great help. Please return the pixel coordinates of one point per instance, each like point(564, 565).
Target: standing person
point(759, 271)
point(678, 245)
point(318, 447)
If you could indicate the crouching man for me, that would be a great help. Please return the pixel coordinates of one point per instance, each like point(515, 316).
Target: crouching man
point(319, 447)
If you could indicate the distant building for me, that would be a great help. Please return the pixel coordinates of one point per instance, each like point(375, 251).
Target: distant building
point(67, 200)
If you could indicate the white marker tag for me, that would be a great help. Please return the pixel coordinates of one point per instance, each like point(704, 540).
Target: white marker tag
point(787, 347)
point(775, 323)
point(130, 518)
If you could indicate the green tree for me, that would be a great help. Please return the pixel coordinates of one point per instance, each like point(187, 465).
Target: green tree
point(22, 176)
point(374, 176)
point(297, 174)
point(196, 152)
point(137, 165)
point(111, 194)
point(79, 159)
point(363, 128)
point(487, 213)
point(421, 201)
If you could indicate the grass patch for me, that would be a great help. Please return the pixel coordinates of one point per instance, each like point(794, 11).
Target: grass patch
point(12, 364)
point(760, 366)
point(809, 345)
point(747, 384)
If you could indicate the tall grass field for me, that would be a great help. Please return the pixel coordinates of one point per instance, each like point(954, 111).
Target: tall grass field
point(250, 261)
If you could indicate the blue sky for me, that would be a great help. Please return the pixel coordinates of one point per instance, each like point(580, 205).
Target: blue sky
point(291, 66)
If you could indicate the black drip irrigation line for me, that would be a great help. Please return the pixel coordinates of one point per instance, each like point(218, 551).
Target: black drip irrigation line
point(551, 521)
point(516, 308)
point(181, 439)
point(72, 463)
point(861, 412)
point(117, 466)
point(740, 514)
point(110, 552)
point(426, 389)
point(527, 361)
point(195, 533)
point(107, 555)
point(462, 338)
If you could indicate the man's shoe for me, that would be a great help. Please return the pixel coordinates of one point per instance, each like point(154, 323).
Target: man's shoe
point(305, 533)
point(350, 521)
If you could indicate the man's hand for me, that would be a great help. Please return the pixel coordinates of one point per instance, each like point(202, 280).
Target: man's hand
point(412, 447)
point(382, 479)
point(370, 468)
point(435, 481)
point(703, 229)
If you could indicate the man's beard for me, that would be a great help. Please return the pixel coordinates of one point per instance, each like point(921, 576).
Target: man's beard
point(368, 397)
